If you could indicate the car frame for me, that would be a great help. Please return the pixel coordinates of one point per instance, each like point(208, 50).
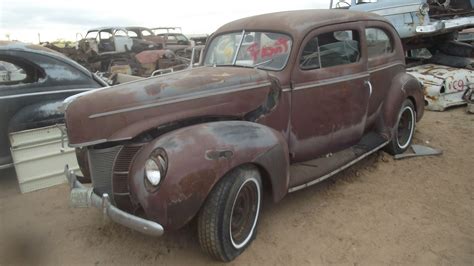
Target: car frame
point(302, 102)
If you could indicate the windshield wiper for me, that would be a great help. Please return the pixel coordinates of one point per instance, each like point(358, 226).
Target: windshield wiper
point(263, 63)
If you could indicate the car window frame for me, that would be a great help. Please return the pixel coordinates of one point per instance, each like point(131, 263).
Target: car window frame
point(28, 67)
point(354, 26)
point(390, 38)
point(374, 62)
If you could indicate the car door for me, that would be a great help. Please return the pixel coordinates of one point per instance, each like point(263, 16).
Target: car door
point(123, 43)
point(384, 60)
point(330, 91)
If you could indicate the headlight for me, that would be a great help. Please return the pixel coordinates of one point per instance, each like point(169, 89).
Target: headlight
point(424, 9)
point(155, 168)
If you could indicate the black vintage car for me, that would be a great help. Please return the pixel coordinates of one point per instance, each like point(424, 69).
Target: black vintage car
point(34, 81)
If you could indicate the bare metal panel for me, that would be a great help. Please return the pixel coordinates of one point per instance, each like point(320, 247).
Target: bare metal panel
point(39, 156)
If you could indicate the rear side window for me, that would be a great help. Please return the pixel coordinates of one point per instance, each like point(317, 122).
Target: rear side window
point(331, 49)
point(121, 33)
point(132, 34)
point(378, 42)
point(146, 33)
point(11, 74)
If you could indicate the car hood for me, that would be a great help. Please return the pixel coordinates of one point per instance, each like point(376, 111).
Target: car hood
point(124, 111)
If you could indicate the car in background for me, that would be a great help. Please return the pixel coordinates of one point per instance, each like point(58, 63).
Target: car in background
point(418, 22)
point(142, 33)
point(31, 93)
point(174, 39)
point(112, 40)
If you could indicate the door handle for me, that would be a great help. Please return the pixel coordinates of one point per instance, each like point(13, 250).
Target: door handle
point(367, 82)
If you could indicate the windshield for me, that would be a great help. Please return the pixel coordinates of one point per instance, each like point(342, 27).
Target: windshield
point(266, 50)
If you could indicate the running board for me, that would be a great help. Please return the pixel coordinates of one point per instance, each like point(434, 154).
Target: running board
point(313, 168)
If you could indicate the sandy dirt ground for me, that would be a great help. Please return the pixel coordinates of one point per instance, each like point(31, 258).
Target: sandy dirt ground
point(416, 211)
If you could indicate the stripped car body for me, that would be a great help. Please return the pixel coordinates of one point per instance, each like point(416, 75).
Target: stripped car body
point(247, 107)
point(443, 86)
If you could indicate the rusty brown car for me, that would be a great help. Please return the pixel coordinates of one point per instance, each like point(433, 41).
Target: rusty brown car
point(281, 102)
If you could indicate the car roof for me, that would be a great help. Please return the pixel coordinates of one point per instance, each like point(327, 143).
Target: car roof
point(297, 22)
point(137, 28)
point(27, 47)
point(9, 46)
point(106, 28)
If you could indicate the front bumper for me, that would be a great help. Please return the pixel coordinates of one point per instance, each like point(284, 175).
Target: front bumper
point(82, 196)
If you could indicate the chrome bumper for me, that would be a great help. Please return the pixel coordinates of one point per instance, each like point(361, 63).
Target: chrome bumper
point(446, 25)
point(82, 196)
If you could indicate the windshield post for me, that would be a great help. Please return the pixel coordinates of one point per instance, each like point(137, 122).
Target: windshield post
point(234, 60)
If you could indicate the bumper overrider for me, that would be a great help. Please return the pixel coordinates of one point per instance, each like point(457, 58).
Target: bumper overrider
point(84, 197)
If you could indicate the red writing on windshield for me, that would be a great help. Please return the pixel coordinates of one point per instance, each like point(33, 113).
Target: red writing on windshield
point(280, 46)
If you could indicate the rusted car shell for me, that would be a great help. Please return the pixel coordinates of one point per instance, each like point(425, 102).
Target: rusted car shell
point(187, 110)
point(443, 86)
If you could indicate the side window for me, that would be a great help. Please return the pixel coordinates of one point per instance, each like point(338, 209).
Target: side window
point(11, 74)
point(331, 49)
point(91, 35)
point(105, 35)
point(120, 33)
point(378, 42)
point(146, 33)
point(132, 34)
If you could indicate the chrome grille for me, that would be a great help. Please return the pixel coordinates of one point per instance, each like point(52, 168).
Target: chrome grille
point(101, 164)
point(120, 182)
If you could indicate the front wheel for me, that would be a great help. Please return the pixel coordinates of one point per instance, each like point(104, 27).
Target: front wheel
point(404, 129)
point(227, 221)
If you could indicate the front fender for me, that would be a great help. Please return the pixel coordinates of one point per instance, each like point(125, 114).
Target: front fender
point(198, 156)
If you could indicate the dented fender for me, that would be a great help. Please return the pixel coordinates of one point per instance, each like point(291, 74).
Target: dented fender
point(403, 86)
point(198, 157)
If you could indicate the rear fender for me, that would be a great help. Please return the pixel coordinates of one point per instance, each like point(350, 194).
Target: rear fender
point(198, 157)
point(37, 115)
point(403, 86)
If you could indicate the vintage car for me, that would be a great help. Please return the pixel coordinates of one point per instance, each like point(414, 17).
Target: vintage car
point(39, 80)
point(106, 41)
point(175, 40)
point(281, 102)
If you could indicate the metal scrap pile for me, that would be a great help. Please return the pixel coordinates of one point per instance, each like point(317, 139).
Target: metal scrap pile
point(136, 51)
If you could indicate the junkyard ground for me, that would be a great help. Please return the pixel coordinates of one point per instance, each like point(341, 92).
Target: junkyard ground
point(416, 211)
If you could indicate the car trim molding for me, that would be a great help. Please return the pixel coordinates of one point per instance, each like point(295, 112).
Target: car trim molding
point(332, 81)
point(383, 67)
point(41, 93)
point(326, 176)
point(172, 101)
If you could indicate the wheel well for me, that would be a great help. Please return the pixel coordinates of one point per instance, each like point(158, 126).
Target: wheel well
point(266, 184)
point(266, 180)
point(413, 102)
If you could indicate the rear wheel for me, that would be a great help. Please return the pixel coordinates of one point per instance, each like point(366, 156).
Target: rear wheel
point(404, 129)
point(227, 221)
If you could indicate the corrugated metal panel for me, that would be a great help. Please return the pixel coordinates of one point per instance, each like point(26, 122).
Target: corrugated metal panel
point(39, 156)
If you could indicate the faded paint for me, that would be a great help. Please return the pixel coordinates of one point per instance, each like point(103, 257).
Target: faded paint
point(277, 114)
point(443, 86)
